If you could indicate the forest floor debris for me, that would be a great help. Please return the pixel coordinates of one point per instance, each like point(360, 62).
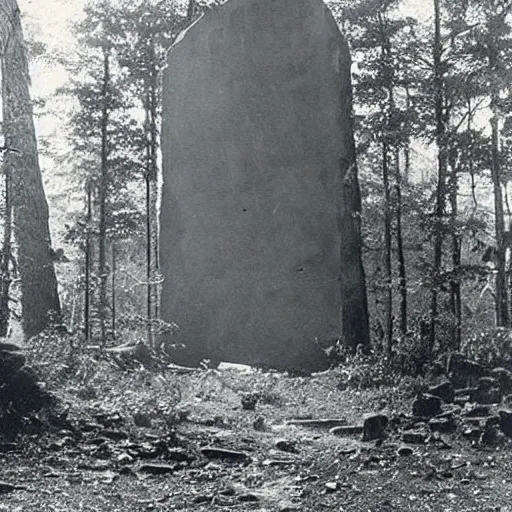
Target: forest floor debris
point(300, 449)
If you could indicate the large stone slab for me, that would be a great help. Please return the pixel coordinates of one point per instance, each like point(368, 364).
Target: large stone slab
point(256, 139)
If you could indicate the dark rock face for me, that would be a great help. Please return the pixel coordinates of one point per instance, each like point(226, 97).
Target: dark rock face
point(504, 378)
point(444, 391)
point(260, 187)
point(374, 427)
point(20, 390)
point(506, 421)
point(427, 406)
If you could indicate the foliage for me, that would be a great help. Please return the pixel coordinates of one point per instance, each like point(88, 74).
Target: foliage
point(491, 347)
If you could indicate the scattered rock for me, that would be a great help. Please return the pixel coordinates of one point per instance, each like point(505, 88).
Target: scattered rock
point(463, 372)
point(444, 391)
point(220, 453)
point(443, 425)
point(415, 437)
point(504, 379)
point(178, 455)
point(489, 436)
point(477, 411)
point(486, 383)
point(249, 401)
point(109, 420)
point(472, 433)
point(488, 396)
point(331, 486)
point(158, 469)
point(427, 406)
point(142, 420)
point(115, 435)
point(124, 459)
point(505, 416)
point(286, 445)
point(374, 427)
point(248, 498)
point(404, 451)
point(321, 423)
point(259, 424)
point(6, 487)
point(348, 430)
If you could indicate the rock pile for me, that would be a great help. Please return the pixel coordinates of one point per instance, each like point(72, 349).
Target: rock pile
point(471, 401)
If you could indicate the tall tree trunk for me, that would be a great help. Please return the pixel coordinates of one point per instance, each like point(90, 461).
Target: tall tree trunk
point(88, 261)
point(102, 197)
point(439, 211)
point(114, 296)
point(5, 260)
point(151, 182)
point(402, 272)
point(154, 100)
point(502, 313)
point(455, 287)
point(388, 271)
point(355, 324)
point(40, 300)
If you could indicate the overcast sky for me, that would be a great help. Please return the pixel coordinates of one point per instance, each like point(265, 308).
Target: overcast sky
point(50, 21)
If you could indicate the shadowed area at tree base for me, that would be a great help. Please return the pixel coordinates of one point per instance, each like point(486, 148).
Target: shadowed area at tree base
point(20, 392)
point(259, 247)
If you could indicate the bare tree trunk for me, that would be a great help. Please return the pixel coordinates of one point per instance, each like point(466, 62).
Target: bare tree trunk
point(151, 99)
point(87, 290)
point(6, 256)
point(402, 272)
point(355, 324)
point(455, 288)
point(102, 196)
point(502, 313)
point(114, 297)
point(40, 300)
point(388, 271)
point(154, 143)
point(439, 210)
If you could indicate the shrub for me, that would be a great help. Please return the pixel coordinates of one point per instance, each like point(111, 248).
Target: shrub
point(490, 347)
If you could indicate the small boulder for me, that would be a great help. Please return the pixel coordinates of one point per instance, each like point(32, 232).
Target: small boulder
point(374, 427)
point(142, 420)
point(463, 372)
point(347, 430)
point(404, 451)
point(331, 486)
point(488, 396)
point(427, 406)
point(286, 445)
point(249, 401)
point(442, 425)
point(477, 411)
point(504, 379)
point(486, 383)
point(444, 391)
point(158, 469)
point(506, 421)
point(415, 437)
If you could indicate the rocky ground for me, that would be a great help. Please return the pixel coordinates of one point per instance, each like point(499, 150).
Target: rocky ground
point(237, 439)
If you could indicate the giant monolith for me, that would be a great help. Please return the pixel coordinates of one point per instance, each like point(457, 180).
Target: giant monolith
point(258, 245)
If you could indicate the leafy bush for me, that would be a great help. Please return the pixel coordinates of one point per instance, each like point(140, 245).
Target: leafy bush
point(360, 371)
point(490, 347)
